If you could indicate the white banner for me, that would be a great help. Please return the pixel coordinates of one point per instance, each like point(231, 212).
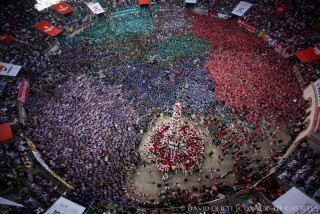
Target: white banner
point(317, 85)
point(41, 161)
point(9, 69)
point(200, 10)
point(241, 8)
point(65, 206)
point(191, 1)
point(223, 16)
point(95, 7)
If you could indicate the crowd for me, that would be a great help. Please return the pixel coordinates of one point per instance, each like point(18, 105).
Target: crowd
point(302, 170)
point(310, 71)
point(249, 76)
point(97, 149)
point(8, 110)
point(168, 4)
point(176, 24)
point(20, 174)
point(20, 17)
point(159, 88)
point(93, 99)
point(291, 29)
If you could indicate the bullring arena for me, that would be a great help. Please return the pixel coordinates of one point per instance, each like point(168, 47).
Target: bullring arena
point(159, 107)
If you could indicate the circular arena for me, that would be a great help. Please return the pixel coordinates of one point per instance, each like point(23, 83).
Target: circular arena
point(138, 106)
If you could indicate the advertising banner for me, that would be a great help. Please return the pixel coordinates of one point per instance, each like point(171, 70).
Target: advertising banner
point(62, 8)
point(213, 13)
point(246, 25)
point(37, 155)
point(191, 1)
point(143, 2)
point(309, 54)
point(280, 9)
point(95, 7)
point(5, 132)
point(241, 8)
point(130, 10)
point(24, 90)
point(5, 39)
point(7, 69)
point(223, 16)
point(47, 28)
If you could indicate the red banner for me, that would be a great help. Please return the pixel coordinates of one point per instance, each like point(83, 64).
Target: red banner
point(24, 90)
point(5, 39)
point(246, 25)
point(309, 54)
point(5, 132)
point(143, 1)
point(280, 9)
point(62, 8)
point(213, 13)
point(47, 28)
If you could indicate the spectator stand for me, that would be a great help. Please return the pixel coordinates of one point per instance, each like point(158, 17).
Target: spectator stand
point(310, 71)
point(301, 169)
point(23, 181)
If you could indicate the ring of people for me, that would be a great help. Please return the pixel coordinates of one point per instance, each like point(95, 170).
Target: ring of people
point(175, 145)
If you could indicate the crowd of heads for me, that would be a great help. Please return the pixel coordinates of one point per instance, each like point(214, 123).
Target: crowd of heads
point(96, 134)
point(20, 173)
point(302, 170)
point(92, 100)
point(248, 76)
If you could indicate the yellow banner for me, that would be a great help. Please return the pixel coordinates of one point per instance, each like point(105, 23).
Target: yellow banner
point(41, 161)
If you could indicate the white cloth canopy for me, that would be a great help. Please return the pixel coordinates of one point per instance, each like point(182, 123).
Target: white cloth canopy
point(65, 206)
point(9, 203)
point(295, 201)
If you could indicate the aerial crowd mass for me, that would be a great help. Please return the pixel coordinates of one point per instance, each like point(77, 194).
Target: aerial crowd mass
point(159, 89)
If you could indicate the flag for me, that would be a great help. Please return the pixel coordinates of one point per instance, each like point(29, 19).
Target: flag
point(5, 132)
point(280, 9)
point(47, 28)
point(143, 2)
point(24, 89)
point(241, 8)
point(95, 7)
point(9, 69)
point(5, 39)
point(309, 54)
point(62, 8)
